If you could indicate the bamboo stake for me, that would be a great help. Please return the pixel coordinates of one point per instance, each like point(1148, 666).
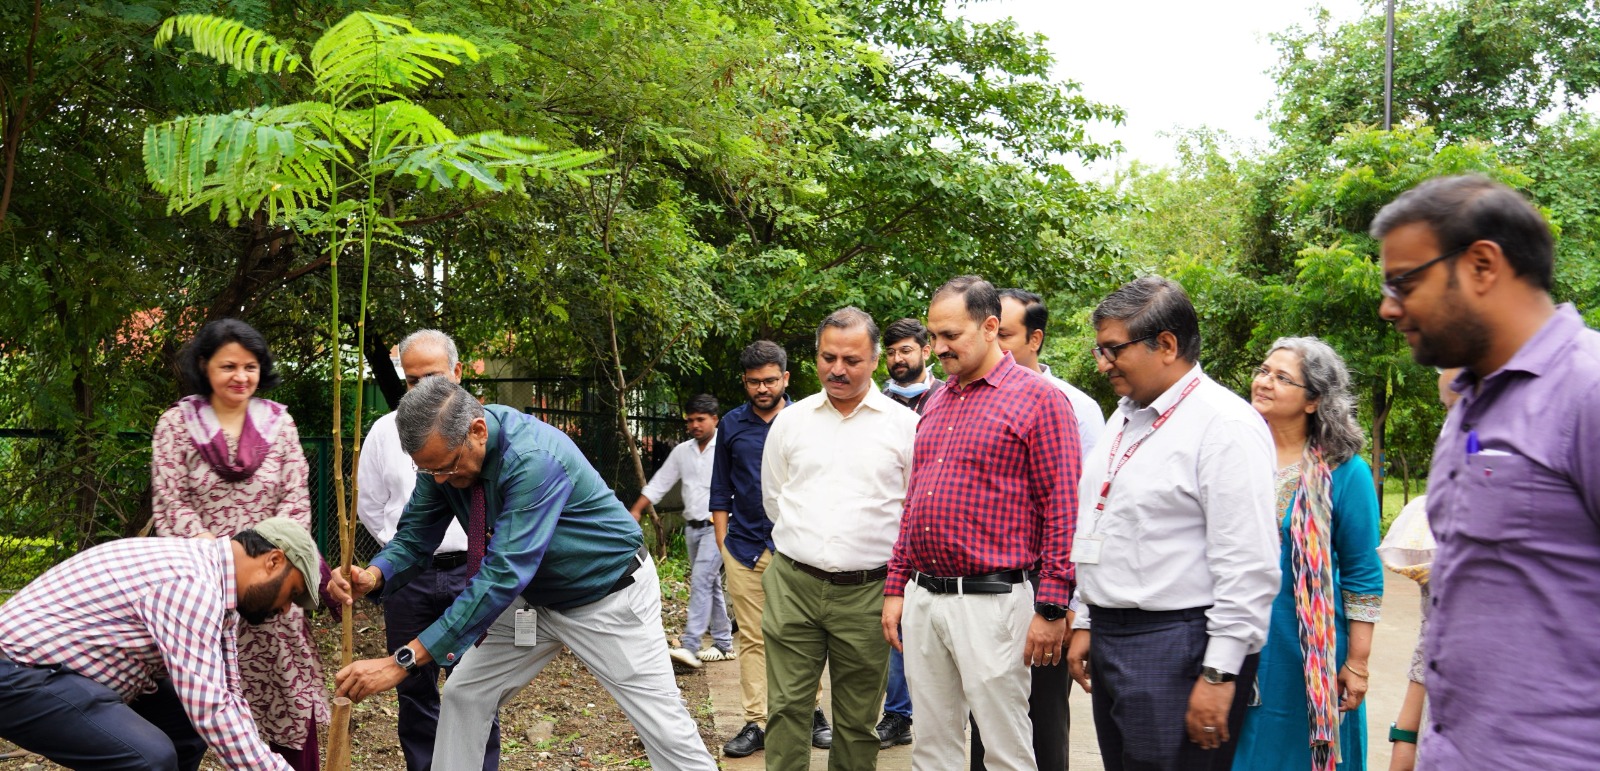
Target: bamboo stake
point(339, 736)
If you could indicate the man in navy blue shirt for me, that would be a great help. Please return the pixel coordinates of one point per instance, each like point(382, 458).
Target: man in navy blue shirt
point(745, 533)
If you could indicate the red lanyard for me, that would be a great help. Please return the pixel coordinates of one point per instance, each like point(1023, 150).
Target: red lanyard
point(1111, 475)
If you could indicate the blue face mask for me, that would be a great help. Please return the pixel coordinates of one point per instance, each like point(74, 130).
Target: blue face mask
point(908, 391)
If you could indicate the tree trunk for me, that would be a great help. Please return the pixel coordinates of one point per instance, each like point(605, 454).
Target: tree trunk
point(383, 371)
point(660, 549)
point(1380, 417)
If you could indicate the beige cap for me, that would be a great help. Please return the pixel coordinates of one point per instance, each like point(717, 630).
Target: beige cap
point(295, 541)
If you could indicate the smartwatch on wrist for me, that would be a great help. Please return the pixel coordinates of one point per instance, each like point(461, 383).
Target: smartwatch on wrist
point(1397, 734)
point(405, 658)
point(1050, 611)
point(1216, 676)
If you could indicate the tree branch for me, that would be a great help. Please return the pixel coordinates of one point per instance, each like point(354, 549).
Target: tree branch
point(858, 249)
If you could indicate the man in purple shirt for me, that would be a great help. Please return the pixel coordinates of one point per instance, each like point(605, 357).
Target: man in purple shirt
point(1514, 492)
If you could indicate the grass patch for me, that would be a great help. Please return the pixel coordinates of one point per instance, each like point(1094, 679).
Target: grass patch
point(1394, 500)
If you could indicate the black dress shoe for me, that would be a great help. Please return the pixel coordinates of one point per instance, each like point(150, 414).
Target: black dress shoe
point(751, 739)
point(821, 732)
point(893, 729)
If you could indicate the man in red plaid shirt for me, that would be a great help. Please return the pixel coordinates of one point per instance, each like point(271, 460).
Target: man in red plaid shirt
point(124, 655)
point(988, 516)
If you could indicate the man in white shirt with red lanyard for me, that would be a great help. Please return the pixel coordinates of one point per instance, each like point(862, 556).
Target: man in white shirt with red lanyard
point(1177, 548)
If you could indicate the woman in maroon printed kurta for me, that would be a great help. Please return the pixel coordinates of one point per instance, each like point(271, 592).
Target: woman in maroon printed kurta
point(222, 461)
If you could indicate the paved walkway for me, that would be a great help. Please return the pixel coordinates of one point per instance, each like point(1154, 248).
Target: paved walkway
point(1392, 644)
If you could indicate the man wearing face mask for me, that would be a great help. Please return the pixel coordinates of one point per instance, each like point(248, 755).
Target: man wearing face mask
point(905, 343)
point(124, 656)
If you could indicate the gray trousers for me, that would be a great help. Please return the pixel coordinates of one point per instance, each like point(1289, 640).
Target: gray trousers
point(708, 608)
point(618, 638)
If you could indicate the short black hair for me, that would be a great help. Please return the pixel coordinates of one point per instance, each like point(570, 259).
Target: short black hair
point(703, 404)
point(903, 329)
point(254, 544)
point(1152, 305)
point(1471, 207)
point(192, 360)
point(761, 353)
point(851, 317)
point(1034, 313)
point(982, 300)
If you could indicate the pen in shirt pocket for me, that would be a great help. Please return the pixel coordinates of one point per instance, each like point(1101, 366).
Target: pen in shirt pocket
point(1473, 445)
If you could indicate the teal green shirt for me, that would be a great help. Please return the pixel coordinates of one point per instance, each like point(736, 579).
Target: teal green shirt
point(558, 535)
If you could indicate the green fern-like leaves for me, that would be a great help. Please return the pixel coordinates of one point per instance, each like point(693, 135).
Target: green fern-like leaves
point(283, 161)
point(268, 158)
point(230, 42)
point(372, 56)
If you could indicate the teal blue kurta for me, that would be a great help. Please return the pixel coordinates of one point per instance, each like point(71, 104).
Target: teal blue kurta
point(1277, 733)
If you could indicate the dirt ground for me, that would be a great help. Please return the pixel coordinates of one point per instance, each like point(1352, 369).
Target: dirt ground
point(564, 720)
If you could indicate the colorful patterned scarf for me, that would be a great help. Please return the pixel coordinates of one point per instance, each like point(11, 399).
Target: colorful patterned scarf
point(1311, 559)
point(262, 421)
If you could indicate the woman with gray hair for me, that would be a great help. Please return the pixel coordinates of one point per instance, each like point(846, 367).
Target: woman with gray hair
point(1314, 666)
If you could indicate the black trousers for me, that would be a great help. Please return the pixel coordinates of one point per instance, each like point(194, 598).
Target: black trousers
point(1047, 708)
point(1144, 665)
point(79, 723)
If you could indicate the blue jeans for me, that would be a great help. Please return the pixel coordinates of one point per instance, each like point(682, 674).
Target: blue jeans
point(411, 609)
point(897, 699)
point(79, 723)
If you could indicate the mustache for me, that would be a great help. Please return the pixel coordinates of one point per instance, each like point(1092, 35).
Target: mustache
point(838, 379)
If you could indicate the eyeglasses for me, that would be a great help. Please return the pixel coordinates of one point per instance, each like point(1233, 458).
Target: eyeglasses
point(1111, 352)
point(1279, 377)
point(766, 382)
point(907, 351)
point(455, 465)
point(1395, 287)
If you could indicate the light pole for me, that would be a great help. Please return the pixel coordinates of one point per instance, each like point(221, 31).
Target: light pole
point(1388, 66)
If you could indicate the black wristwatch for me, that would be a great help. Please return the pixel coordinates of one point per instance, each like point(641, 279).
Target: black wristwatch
point(1216, 676)
point(1050, 611)
point(405, 658)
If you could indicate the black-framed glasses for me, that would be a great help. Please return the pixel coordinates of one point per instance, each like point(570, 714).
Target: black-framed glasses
point(1395, 287)
point(766, 382)
point(455, 465)
point(1111, 352)
point(1279, 378)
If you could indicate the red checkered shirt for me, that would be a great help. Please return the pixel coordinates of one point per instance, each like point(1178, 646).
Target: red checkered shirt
point(994, 483)
point(129, 612)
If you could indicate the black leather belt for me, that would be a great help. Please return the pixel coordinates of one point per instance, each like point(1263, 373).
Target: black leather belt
point(988, 583)
point(1136, 616)
point(841, 578)
point(697, 523)
point(626, 579)
point(449, 560)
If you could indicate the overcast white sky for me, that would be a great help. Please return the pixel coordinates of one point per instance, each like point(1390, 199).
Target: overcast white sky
point(1168, 63)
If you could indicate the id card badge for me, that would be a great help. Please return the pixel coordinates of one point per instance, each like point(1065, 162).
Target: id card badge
point(527, 634)
point(1086, 548)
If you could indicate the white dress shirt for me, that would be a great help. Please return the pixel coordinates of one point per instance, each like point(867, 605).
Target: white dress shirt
point(1091, 421)
point(691, 465)
point(1189, 522)
point(386, 478)
point(834, 485)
